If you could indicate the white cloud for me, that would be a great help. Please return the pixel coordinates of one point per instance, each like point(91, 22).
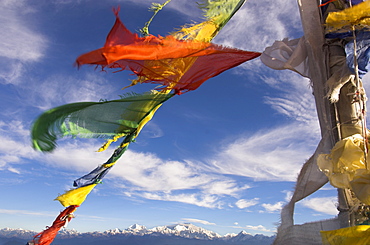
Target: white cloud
point(25, 212)
point(199, 221)
point(276, 154)
point(260, 228)
point(11, 71)
point(19, 42)
point(271, 208)
point(273, 155)
point(224, 187)
point(48, 214)
point(60, 89)
point(13, 170)
point(59, 3)
point(148, 172)
point(76, 155)
point(147, 176)
point(289, 195)
point(151, 130)
point(15, 145)
point(187, 8)
point(143, 174)
point(293, 97)
point(244, 203)
point(207, 201)
point(326, 205)
point(255, 27)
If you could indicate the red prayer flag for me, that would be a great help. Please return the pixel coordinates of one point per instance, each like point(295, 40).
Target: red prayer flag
point(182, 65)
point(47, 236)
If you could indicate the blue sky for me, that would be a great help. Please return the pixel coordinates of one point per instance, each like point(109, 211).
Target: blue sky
point(223, 157)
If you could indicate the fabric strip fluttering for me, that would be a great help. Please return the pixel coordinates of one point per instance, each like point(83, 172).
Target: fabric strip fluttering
point(179, 62)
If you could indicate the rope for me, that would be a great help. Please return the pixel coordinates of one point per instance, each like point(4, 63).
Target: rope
point(360, 98)
point(337, 121)
point(156, 7)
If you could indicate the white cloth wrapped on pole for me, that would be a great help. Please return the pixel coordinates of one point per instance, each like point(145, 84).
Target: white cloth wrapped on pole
point(287, 54)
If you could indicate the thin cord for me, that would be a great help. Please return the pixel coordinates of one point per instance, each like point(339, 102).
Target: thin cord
point(360, 94)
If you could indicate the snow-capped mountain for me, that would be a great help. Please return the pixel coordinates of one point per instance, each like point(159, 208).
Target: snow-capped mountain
point(19, 233)
point(137, 234)
point(186, 231)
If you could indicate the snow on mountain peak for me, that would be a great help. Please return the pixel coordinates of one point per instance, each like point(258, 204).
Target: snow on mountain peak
point(185, 230)
point(243, 232)
point(176, 230)
point(180, 228)
point(113, 231)
point(229, 235)
point(136, 227)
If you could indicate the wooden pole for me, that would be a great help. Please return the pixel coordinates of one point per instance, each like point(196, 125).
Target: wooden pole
point(318, 56)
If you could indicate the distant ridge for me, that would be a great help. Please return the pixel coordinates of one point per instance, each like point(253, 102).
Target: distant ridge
point(178, 234)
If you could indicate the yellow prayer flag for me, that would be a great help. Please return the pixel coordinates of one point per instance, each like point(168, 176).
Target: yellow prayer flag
point(356, 235)
point(358, 15)
point(75, 196)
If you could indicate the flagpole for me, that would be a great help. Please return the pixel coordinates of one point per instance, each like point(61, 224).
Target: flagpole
point(318, 57)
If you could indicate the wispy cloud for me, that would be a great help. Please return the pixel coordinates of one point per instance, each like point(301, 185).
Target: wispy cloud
point(147, 171)
point(187, 8)
point(152, 130)
point(224, 187)
point(25, 212)
point(199, 221)
point(255, 27)
point(141, 174)
point(201, 200)
point(15, 145)
point(326, 205)
point(259, 228)
point(75, 155)
point(48, 214)
point(272, 208)
point(293, 97)
point(58, 89)
point(288, 196)
point(14, 170)
point(146, 176)
point(19, 42)
point(244, 203)
point(273, 154)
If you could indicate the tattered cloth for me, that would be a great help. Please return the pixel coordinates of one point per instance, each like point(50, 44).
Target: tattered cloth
point(126, 51)
point(47, 236)
point(344, 20)
point(356, 235)
point(104, 119)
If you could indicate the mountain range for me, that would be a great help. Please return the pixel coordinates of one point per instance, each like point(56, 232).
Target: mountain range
point(179, 234)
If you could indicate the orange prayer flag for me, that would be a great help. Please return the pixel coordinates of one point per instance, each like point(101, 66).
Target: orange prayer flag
point(181, 65)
